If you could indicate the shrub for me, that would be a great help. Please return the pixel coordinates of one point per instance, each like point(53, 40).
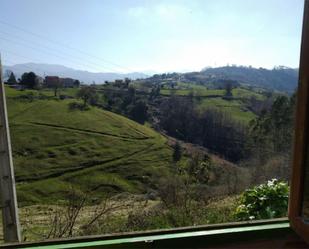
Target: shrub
point(265, 201)
point(77, 106)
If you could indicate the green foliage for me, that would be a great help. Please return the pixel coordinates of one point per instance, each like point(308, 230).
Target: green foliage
point(271, 132)
point(29, 80)
point(265, 201)
point(76, 83)
point(228, 90)
point(199, 170)
point(177, 153)
point(213, 129)
point(12, 80)
point(138, 111)
point(88, 95)
point(235, 108)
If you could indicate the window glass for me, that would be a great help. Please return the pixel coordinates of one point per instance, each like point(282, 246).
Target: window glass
point(140, 115)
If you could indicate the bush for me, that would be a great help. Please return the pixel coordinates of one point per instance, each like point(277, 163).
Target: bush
point(265, 201)
point(78, 106)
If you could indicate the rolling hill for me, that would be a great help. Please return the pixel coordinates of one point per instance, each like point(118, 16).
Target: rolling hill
point(96, 151)
point(57, 147)
point(279, 79)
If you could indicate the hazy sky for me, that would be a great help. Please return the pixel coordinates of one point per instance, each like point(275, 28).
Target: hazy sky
point(158, 35)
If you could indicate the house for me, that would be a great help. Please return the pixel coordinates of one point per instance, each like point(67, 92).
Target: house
point(67, 82)
point(51, 81)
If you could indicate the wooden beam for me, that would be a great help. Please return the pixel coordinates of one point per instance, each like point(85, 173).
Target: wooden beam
point(11, 229)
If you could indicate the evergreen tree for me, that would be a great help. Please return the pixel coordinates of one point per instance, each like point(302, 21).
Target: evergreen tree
point(12, 80)
point(177, 152)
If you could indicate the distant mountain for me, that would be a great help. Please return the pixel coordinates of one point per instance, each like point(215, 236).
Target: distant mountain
point(62, 71)
point(280, 78)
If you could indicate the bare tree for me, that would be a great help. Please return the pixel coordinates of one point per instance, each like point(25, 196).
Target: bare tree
point(64, 219)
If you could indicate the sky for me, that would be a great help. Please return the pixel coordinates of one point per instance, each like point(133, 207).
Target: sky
point(151, 35)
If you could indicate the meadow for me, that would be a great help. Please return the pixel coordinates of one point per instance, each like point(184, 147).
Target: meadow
point(56, 147)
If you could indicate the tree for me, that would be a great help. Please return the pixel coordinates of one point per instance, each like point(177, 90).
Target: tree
point(127, 82)
point(56, 85)
point(76, 83)
point(211, 128)
point(272, 131)
point(88, 95)
point(228, 90)
point(177, 152)
point(29, 80)
point(155, 92)
point(199, 168)
point(12, 80)
point(139, 112)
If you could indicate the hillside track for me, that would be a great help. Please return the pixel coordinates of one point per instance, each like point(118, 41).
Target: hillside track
point(83, 166)
point(85, 131)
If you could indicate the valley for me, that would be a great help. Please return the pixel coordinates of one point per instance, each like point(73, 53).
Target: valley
point(136, 147)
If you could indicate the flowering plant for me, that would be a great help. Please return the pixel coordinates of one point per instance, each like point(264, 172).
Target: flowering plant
point(266, 201)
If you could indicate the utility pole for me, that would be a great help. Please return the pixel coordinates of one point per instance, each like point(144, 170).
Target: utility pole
point(10, 220)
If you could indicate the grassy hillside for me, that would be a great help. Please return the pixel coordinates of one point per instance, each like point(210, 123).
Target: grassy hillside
point(56, 147)
point(214, 98)
point(235, 108)
point(61, 152)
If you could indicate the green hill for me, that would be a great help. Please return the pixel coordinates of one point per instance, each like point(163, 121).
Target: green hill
point(56, 147)
point(282, 79)
point(238, 105)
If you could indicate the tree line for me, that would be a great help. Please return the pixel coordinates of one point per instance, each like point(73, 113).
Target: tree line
point(211, 128)
point(30, 80)
point(269, 134)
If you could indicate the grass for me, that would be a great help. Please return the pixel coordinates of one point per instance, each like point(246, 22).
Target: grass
point(213, 98)
point(184, 89)
point(100, 153)
point(203, 92)
point(244, 93)
point(235, 108)
point(55, 148)
point(37, 220)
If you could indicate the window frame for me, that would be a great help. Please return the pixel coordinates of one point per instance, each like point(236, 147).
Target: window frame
point(301, 141)
point(185, 237)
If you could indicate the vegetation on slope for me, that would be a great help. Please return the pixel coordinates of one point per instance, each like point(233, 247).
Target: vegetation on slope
point(55, 147)
point(62, 144)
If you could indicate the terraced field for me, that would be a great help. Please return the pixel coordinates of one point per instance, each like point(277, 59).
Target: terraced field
point(56, 147)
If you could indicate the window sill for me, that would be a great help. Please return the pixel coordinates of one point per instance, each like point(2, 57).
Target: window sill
point(175, 238)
